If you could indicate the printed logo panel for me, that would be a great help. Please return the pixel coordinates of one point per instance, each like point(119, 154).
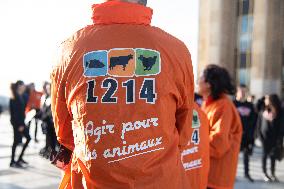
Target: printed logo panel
point(121, 62)
point(195, 120)
point(95, 63)
point(148, 62)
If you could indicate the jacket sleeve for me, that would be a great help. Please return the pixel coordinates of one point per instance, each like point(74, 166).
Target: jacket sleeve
point(185, 108)
point(62, 117)
point(220, 133)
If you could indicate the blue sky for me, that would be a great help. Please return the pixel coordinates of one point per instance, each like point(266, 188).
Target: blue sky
point(31, 31)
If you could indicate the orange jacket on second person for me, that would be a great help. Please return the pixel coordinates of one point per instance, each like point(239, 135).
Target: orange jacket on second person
point(34, 100)
point(122, 99)
point(196, 155)
point(225, 139)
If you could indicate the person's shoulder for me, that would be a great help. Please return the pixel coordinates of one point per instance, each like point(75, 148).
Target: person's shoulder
point(224, 103)
point(166, 34)
point(67, 46)
point(222, 100)
point(169, 39)
point(71, 41)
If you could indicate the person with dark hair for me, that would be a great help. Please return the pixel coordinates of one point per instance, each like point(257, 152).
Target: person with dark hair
point(218, 80)
point(47, 123)
point(122, 101)
point(271, 135)
point(225, 126)
point(17, 112)
point(260, 108)
point(248, 118)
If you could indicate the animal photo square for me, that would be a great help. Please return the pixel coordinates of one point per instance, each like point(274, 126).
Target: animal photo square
point(121, 62)
point(148, 62)
point(95, 63)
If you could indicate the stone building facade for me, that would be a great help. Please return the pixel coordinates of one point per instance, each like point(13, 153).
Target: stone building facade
point(246, 37)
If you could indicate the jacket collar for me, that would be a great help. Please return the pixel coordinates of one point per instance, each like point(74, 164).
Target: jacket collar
point(210, 99)
point(117, 12)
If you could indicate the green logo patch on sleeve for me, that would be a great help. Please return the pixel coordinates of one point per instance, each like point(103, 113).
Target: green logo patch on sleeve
point(195, 120)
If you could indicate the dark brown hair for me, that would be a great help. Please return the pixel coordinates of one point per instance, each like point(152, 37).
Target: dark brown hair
point(275, 102)
point(219, 80)
point(15, 87)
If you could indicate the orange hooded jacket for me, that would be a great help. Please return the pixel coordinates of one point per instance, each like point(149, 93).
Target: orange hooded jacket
point(196, 155)
point(122, 99)
point(225, 138)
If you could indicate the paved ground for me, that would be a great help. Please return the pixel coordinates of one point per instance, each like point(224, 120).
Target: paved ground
point(256, 173)
point(38, 175)
point(41, 175)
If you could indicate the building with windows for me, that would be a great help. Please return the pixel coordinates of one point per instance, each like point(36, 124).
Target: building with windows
point(246, 37)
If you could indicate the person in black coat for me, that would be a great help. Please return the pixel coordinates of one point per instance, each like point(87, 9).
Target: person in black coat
point(17, 112)
point(248, 118)
point(271, 134)
point(48, 125)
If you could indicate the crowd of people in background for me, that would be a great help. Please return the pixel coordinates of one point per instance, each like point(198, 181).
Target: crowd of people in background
point(263, 120)
point(27, 106)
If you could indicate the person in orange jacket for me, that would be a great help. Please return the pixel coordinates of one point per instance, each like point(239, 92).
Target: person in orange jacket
point(122, 100)
point(225, 126)
point(195, 157)
point(34, 103)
